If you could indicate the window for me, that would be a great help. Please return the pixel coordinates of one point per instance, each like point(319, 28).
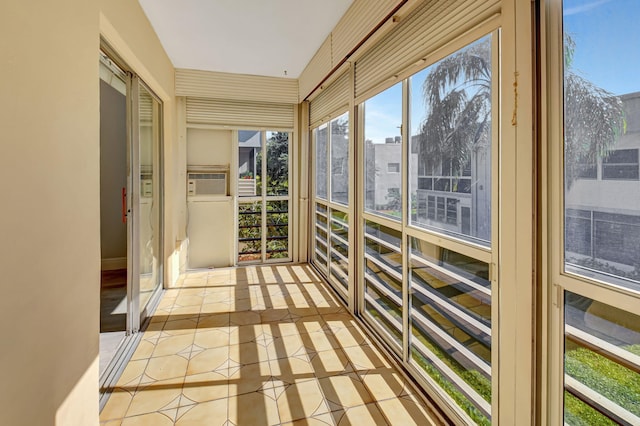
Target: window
point(382, 146)
point(621, 164)
point(598, 274)
point(339, 159)
point(320, 158)
point(263, 191)
point(451, 140)
point(393, 167)
point(331, 227)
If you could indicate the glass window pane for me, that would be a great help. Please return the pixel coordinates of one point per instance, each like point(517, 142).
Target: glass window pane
point(383, 278)
point(277, 163)
point(277, 229)
point(340, 159)
point(383, 145)
point(450, 138)
point(451, 324)
point(320, 157)
point(249, 150)
point(150, 193)
point(321, 237)
point(250, 232)
point(602, 127)
point(601, 358)
point(340, 247)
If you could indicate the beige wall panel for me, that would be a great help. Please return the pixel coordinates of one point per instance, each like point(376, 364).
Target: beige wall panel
point(429, 27)
point(208, 147)
point(316, 70)
point(361, 17)
point(50, 216)
point(239, 114)
point(239, 87)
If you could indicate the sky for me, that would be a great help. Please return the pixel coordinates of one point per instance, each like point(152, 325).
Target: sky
point(607, 38)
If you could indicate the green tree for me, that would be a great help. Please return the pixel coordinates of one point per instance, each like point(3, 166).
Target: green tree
point(277, 163)
point(457, 95)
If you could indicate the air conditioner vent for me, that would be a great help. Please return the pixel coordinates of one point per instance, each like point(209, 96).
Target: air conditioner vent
point(207, 184)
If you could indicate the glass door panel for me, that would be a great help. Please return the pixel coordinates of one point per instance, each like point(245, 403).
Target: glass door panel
point(598, 335)
point(263, 196)
point(149, 204)
point(451, 324)
point(277, 229)
point(250, 232)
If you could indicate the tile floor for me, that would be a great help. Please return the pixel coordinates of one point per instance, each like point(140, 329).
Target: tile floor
point(264, 345)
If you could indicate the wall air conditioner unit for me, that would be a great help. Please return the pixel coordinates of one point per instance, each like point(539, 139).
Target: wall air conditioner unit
point(211, 181)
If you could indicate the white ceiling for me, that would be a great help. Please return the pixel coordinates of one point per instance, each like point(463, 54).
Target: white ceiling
point(261, 37)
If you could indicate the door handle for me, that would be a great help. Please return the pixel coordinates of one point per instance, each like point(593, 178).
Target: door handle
point(124, 205)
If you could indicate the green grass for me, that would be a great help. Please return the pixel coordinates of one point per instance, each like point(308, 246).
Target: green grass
point(611, 380)
point(462, 401)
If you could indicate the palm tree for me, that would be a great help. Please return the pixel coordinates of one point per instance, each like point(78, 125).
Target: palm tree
point(457, 93)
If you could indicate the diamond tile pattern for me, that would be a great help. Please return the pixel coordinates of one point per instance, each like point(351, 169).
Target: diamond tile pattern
point(262, 345)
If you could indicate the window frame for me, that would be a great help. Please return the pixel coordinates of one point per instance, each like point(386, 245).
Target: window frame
point(557, 279)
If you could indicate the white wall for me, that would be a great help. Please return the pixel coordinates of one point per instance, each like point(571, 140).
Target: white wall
point(50, 215)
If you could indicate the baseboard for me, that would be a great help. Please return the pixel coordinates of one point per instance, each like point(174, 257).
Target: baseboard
point(114, 263)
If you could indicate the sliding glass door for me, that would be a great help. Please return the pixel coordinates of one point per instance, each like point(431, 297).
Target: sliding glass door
point(263, 197)
point(148, 229)
point(595, 197)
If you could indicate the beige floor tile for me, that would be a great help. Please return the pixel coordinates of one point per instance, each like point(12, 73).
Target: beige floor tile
point(185, 300)
point(274, 315)
point(384, 383)
point(144, 350)
point(152, 419)
point(365, 357)
point(287, 346)
point(211, 338)
point(215, 308)
point(132, 373)
point(208, 360)
point(319, 420)
point(111, 423)
point(205, 387)
point(213, 320)
point(184, 312)
point(303, 311)
point(117, 405)
point(244, 318)
point(288, 370)
point(319, 341)
point(362, 415)
point(253, 409)
point(283, 328)
point(248, 378)
point(350, 336)
point(330, 363)
point(248, 353)
point(344, 391)
point(173, 345)
point(339, 321)
point(166, 367)
point(207, 413)
point(155, 397)
point(245, 333)
point(406, 412)
point(301, 400)
point(258, 346)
